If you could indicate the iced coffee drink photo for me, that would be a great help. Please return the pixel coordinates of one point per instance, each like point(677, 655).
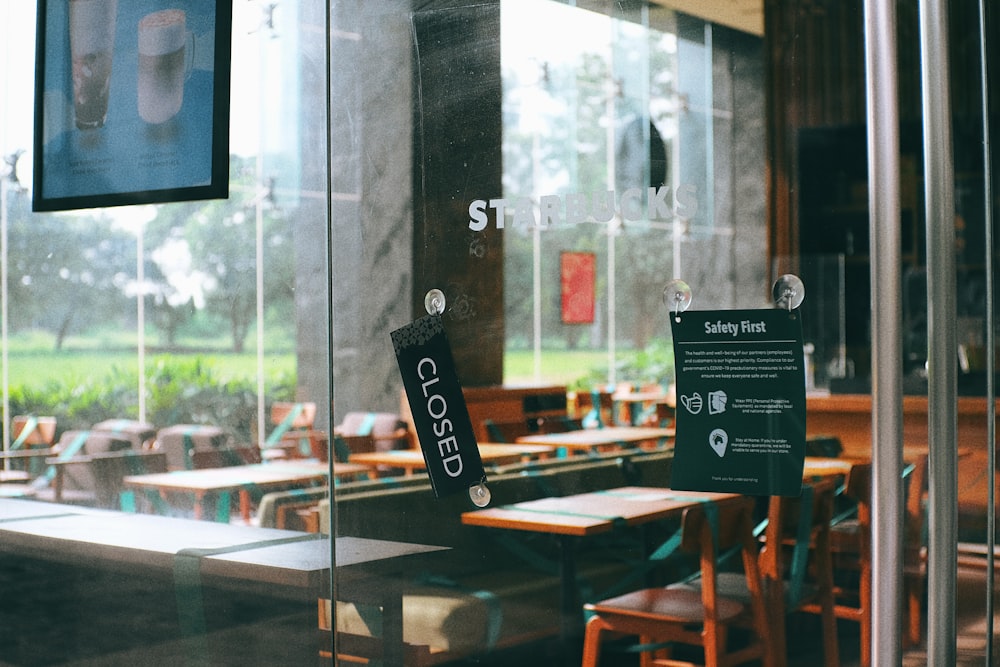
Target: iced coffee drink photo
point(92, 40)
point(163, 69)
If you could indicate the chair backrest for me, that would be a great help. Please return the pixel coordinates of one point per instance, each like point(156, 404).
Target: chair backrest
point(915, 513)
point(595, 405)
point(224, 457)
point(345, 445)
point(180, 440)
point(824, 445)
point(711, 529)
point(305, 414)
point(859, 489)
point(141, 434)
point(506, 432)
point(42, 433)
point(386, 428)
point(559, 424)
point(794, 525)
point(109, 469)
point(725, 523)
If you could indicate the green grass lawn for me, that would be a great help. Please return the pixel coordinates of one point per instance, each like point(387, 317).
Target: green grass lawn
point(33, 362)
point(38, 369)
point(557, 366)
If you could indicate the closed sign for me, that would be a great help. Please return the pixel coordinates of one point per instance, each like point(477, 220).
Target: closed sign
point(440, 416)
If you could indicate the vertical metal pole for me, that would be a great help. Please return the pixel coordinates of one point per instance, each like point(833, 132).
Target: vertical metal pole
point(991, 393)
point(939, 186)
point(140, 308)
point(4, 305)
point(887, 383)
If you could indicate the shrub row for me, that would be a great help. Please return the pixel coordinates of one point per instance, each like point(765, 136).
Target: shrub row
point(185, 391)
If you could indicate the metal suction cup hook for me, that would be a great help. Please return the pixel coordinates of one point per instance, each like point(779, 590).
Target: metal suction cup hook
point(434, 302)
point(788, 292)
point(677, 296)
point(480, 495)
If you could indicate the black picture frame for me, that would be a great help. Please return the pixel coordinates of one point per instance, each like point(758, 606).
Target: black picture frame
point(158, 135)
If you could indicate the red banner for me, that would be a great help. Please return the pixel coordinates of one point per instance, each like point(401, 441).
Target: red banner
point(577, 278)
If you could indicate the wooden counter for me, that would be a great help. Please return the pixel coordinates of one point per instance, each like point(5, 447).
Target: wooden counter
point(849, 417)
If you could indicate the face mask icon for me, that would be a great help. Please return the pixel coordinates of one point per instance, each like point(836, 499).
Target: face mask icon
point(692, 403)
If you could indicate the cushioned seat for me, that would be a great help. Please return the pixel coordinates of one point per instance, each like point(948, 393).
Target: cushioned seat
point(180, 440)
point(141, 434)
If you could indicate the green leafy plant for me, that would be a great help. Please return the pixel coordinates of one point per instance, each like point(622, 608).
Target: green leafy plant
point(186, 391)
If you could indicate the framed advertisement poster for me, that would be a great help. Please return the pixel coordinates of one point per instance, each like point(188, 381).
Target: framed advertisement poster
point(577, 280)
point(131, 102)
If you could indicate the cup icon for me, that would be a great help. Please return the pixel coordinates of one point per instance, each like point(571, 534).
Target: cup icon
point(166, 51)
point(92, 41)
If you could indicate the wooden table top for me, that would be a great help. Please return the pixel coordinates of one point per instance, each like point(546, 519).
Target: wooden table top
point(235, 478)
point(822, 466)
point(14, 476)
point(911, 454)
point(282, 557)
point(413, 459)
point(590, 438)
point(642, 397)
point(591, 513)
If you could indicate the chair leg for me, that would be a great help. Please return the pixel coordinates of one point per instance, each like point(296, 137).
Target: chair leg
point(913, 586)
point(866, 617)
point(714, 636)
point(831, 649)
point(592, 641)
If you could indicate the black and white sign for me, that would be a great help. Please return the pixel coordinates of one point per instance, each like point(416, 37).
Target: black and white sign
point(440, 416)
point(741, 404)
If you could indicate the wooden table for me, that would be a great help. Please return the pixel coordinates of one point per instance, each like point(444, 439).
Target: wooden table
point(822, 466)
point(635, 401)
point(288, 563)
point(570, 518)
point(597, 439)
point(411, 460)
point(14, 476)
point(208, 482)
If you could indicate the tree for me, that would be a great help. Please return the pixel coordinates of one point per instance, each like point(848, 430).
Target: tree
point(67, 272)
point(221, 236)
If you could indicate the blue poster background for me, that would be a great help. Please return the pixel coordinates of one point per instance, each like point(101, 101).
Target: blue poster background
point(127, 155)
point(741, 403)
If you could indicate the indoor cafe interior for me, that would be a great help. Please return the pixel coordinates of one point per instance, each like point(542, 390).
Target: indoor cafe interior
point(498, 332)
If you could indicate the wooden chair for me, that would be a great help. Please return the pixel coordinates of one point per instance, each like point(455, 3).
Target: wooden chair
point(506, 432)
point(32, 431)
point(594, 407)
point(225, 457)
point(681, 614)
point(797, 565)
point(180, 441)
point(141, 434)
point(386, 429)
point(293, 435)
point(851, 545)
